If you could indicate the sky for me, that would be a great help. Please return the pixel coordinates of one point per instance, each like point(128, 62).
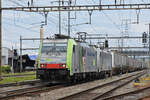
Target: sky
point(27, 24)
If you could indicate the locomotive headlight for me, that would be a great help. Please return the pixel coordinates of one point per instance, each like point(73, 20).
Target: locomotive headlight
point(64, 65)
point(43, 65)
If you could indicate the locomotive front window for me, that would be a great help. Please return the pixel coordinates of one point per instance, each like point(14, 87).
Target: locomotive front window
point(47, 47)
point(61, 47)
point(54, 47)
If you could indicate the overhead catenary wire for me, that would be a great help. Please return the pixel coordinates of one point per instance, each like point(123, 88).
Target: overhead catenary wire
point(17, 3)
point(117, 27)
point(23, 27)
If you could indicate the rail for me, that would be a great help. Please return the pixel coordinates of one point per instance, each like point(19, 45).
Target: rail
point(86, 92)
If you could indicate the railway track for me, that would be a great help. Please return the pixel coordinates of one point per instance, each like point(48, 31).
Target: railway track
point(102, 91)
point(132, 92)
point(32, 82)
point(17, 75)
point(40, 88)
point(26, 91)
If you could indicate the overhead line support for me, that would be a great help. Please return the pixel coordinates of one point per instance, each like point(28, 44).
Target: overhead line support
point(133, 37)
point(79, 8)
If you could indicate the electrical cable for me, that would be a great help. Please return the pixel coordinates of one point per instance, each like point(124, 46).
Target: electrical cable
point(112, 21)
point(38, 13)
point(15, 2)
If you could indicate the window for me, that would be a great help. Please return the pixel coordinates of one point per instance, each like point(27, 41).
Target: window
point(54, 47)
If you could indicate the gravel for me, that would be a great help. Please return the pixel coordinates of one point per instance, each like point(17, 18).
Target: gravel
point(62, 92)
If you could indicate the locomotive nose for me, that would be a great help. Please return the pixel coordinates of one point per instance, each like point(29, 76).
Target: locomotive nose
point(53, 66)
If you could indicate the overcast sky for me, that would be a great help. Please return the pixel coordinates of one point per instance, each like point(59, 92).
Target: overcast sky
point(27, 24)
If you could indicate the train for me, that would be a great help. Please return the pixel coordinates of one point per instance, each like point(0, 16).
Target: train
point(69, 60)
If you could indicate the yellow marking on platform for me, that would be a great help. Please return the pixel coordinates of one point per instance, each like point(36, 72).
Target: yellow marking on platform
point(142, 81)
point(139, 84)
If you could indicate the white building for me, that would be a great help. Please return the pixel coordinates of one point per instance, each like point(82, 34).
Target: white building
point(6, 55)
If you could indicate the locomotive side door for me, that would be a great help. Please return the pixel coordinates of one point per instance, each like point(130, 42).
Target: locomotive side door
point(75, 59)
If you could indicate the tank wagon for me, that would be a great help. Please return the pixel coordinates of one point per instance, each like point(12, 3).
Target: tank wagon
point(68, 60)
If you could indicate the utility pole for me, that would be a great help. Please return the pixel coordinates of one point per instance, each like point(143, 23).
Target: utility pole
point(61, 4)
point(32, 3)
point(149, 44)
point(59, 18)
point(69, 4)
point(12, 60)
point(21, 54)
point(0, 40)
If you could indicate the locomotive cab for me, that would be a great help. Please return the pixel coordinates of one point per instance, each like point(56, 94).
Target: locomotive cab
point(53, 57)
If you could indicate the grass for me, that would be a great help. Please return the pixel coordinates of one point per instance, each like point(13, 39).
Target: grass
point(17, 79)
point(23, 73)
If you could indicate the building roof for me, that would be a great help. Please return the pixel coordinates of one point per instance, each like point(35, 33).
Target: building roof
point(33, 57)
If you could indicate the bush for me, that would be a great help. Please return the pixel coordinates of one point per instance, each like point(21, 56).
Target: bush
point(6, 69)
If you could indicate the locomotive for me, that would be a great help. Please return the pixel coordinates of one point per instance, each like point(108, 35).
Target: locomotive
point(69, 60)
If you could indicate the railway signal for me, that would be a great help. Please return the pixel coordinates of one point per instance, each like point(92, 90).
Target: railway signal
point(144, 37)
point(106, 44)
